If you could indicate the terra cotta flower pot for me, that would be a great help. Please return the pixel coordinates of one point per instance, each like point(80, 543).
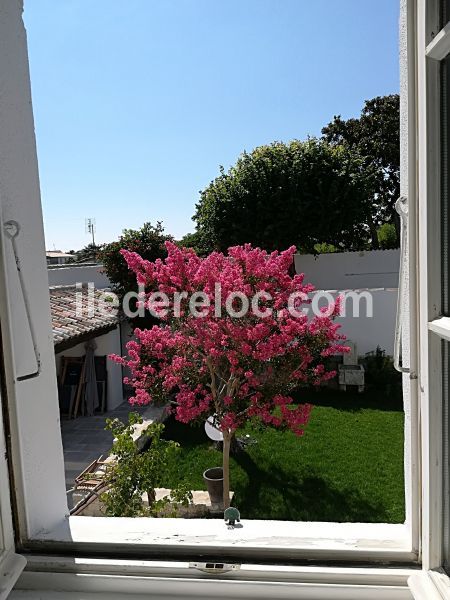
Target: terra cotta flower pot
point(214, 484)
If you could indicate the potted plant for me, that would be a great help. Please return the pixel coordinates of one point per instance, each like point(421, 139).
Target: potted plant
point(214, 484)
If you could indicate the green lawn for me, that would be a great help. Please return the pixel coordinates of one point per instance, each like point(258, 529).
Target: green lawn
point(347, 467)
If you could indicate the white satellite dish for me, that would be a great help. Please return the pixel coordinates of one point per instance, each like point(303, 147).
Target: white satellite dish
point(212, 431)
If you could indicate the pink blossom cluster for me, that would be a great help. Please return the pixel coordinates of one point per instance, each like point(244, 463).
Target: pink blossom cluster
point(236, 368)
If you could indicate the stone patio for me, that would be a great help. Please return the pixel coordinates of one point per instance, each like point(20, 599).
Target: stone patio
point(85, 439)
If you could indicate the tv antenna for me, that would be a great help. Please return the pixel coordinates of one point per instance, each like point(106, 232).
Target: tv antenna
point(90, 228)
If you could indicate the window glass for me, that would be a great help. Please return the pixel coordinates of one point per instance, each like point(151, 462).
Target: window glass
point(445, 266)
point(446, 460)
point(445, 12)
point(445, 156)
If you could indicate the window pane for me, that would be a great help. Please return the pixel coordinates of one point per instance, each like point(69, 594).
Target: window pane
point(445, 12)
point(445, 270)
point(445, 170)
point(446, 459)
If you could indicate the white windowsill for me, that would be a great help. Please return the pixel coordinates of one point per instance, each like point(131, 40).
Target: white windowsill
point(11, 566)
point(83, 579)
point(430, 585)
point(71, 588)
point(106, 579)
point(255, 539)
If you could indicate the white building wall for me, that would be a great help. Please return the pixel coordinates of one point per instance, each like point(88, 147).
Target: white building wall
point(109, 343)
point(70, 275)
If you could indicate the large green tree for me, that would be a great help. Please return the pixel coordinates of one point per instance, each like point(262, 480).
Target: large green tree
point(302, 193)
point(148, 242)
point(375, 136)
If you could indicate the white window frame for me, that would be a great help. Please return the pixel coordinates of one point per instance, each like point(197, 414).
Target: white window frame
point(433, 45)
point(37, 460)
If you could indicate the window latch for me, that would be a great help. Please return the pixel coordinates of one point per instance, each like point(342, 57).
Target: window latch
point(12, 230)
point(401, 206)
point(214, 568)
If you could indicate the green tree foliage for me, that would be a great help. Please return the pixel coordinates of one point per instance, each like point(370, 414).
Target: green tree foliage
point(324, 248)
point(375, 136)
point(134, 473)
point(89, 253)
point(387, 236)
point(302, 193)
point(197, 242)
point(148, 242)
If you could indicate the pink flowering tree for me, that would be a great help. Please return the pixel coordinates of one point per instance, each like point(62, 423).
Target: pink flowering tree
point(234, 340)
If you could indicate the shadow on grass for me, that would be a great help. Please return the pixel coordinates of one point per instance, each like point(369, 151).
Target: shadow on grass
point(267, 487)
point(187, 436)
point(270, 495)
point(350, 401)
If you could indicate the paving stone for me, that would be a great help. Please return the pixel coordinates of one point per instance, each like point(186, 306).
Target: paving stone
point(84, 439)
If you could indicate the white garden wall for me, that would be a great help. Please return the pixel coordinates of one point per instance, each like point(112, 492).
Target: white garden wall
point(371, 272)
point(350, 270)
point(368, 332)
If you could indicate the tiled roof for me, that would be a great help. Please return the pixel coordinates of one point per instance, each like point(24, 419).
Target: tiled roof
point(71, 318)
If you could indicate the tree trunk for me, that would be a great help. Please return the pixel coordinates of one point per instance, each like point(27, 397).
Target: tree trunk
point(226, 469)
point(235, 445)
point(374, 236)
point(397, 225)
point(151, 497)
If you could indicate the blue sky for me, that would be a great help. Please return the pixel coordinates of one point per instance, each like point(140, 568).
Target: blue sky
point(138, 102)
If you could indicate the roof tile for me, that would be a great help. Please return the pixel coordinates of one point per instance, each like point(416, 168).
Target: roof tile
point(76, 312)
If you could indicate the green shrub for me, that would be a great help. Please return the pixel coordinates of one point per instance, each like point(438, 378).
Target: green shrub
point(134, 472)
point(387, 237)
point(380, 373)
